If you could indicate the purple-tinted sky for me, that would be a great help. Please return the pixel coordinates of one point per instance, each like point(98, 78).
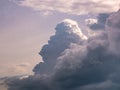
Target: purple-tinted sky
point(23, 32)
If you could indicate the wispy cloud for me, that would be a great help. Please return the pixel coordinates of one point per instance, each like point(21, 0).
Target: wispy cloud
point(76, 7)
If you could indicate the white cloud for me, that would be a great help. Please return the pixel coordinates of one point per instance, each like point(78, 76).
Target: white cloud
point(76, 7)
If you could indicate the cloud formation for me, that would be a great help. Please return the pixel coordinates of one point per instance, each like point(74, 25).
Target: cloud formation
point(72, 61)
point(76, 7)
point(67, 32)
point(100, 24)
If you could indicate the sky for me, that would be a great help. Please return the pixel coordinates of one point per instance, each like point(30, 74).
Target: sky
point(60, 43)
point(20, 39)
point(23, 31)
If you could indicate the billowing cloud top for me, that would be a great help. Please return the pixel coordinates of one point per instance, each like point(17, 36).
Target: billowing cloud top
point(71, 6)
point(67, 32)
point(71, 27)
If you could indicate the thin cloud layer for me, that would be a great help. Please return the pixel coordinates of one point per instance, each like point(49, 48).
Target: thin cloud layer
point(76, 7)
point(83, 64)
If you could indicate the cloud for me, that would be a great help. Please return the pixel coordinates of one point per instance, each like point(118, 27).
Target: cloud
point(67, 32)
point(113, 28)
point(73, 61)
point(76, 7)
point(99, 24)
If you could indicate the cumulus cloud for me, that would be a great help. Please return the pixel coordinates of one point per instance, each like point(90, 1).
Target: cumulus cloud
point(73, 61)
point(67, 32)
point(76, 7)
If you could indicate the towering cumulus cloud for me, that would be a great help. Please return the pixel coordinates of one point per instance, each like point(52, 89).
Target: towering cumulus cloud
point(67, 32)
point(73, 61)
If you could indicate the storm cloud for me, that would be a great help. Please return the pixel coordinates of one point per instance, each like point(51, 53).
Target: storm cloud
point(74, 61)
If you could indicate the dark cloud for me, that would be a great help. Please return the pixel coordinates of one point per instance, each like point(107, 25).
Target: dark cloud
point(112, 22)
point(74, 62)
point(100, 25)
point(94, 68)
point(113, 29)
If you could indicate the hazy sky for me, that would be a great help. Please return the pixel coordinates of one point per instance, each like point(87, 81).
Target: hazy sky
point(23, 31)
